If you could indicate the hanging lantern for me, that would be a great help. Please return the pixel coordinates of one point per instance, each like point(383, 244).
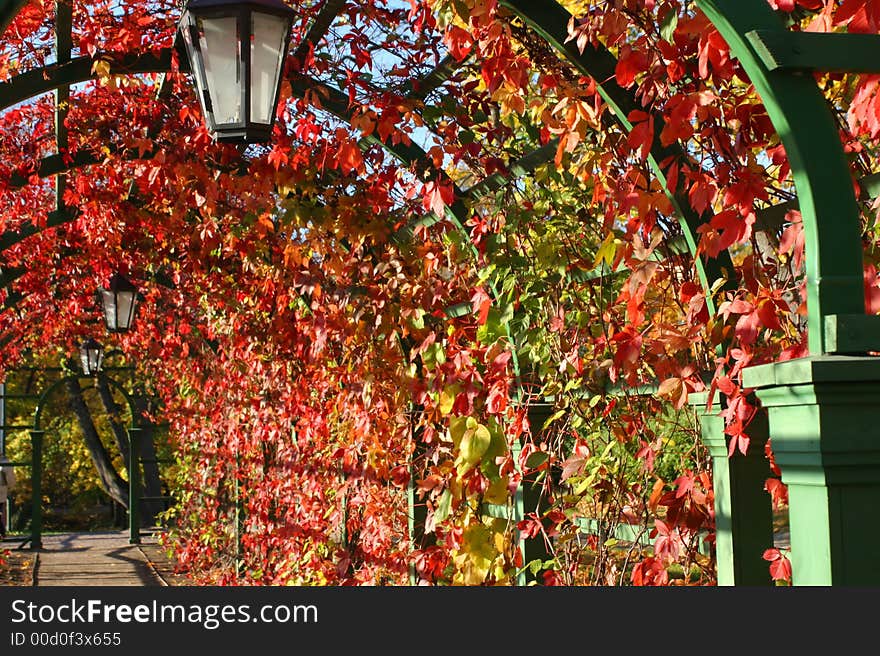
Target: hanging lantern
point(119, 301)
point(91, 354)
point(236, 52)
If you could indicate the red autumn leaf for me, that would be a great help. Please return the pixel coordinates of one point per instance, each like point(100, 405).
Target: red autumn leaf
point(630, 63)
point(437, 196)
point(713, 50)
point(481, 302)
point(872, 289)
point(572, 466)
point(641, 137)
point(349, 157)
point(702, 192)
point(778, 492)
point(780, 566)
point(459, 42)
point(278, 157)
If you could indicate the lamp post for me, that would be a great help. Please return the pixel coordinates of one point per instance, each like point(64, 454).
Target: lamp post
point(91, 355)
point(119, 300)
point(236, 51)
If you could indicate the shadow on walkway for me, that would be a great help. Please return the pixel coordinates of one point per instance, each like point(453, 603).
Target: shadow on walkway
point(94, 559)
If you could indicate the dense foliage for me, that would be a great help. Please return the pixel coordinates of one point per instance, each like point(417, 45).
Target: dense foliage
point(325, 322)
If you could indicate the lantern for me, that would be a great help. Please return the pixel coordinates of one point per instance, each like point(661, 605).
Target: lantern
point(119, 301)
point(91, 355)
point(236, 53)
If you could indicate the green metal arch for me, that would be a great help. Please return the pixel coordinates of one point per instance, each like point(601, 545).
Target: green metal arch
point(550, 21)
point(825, 190)
point(8, 11)
point(47, 78)
point(44, 397)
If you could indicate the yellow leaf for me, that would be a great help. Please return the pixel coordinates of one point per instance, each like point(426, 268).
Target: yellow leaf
point(447, 398)
point(474, 444)
point(497, 492)
point(476, 555)
point(607, 251)
point(101, 68)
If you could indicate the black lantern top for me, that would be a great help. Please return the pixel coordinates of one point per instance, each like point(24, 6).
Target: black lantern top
point(119, 301)
point(236, 51)
point(91, 354)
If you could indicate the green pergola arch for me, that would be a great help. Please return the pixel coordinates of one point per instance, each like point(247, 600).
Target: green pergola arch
point(822, 410)
point(38, 433)
point(824, 184)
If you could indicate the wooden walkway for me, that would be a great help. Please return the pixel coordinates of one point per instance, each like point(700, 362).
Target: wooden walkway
point(98, 559)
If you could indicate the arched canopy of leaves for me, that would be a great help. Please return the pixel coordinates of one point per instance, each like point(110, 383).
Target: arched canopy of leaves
point(467, 206)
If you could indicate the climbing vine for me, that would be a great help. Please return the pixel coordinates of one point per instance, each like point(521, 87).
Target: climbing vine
point(455, 224)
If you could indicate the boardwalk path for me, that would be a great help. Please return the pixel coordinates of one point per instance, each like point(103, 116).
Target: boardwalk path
point(89, 559)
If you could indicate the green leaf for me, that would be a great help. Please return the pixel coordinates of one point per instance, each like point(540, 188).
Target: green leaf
point(556, 415)
point(444, 505)
point(461, 9)
point(668, 25)
point(457, 428)
point(417, 321)
point(536, 459)
point(607, 251)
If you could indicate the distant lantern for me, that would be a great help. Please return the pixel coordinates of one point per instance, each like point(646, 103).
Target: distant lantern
point(236, 52)
point(119, 300)
point(91, 355)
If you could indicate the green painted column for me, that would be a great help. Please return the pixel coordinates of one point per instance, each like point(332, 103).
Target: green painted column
point(826, 440)
point(134, 486)
point(37, 489)
point(743, 509)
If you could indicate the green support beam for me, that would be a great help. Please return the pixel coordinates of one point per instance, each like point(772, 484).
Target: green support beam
point(782, 50)
point(319, 27)
point(819, 166)
point(822, 409)
point(531, 500)
point(420, 88)
point(521, 167)
point(64, 74)
point(826, 440)
point(8, 11)
point(53, 220)
point(134, 486)
point(63, 50)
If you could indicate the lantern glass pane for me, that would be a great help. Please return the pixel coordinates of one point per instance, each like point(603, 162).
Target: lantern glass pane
point(268, 38)
point(108, 300)
point(219, 43)
point(125, 302)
